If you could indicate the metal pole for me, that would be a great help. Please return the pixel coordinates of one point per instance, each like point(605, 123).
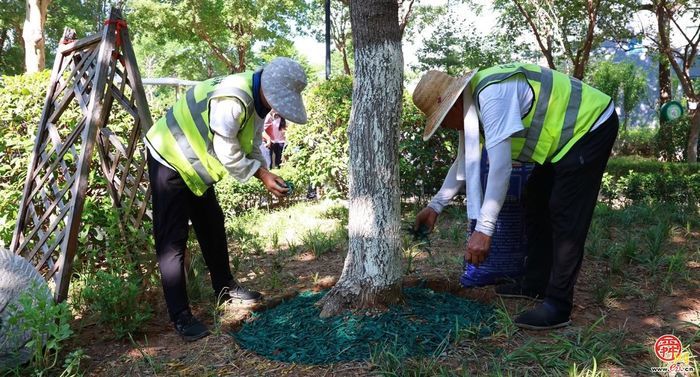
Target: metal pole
point(328, 39)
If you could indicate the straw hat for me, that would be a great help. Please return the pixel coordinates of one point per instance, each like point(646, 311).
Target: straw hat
point(435, 95)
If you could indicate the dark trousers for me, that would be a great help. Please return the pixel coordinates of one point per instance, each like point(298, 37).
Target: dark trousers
point(276, 154)
point(174, 205)
point(559, 200)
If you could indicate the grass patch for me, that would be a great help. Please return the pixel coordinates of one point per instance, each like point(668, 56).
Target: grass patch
point(644, 243)
point(584, 348)
point(319, 227)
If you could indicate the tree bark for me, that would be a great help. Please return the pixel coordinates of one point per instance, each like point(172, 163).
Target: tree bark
point(372, 272)
point(666, 15)
point(693, 134)
point(3, 38)
point(584, 53)
point(33, 35)
point(665, 133)
point(340, 34)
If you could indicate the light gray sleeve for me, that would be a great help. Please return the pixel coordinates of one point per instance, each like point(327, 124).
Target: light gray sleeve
point(224, 115)
point(500, 166)
point(450, 187)
point(256, 154)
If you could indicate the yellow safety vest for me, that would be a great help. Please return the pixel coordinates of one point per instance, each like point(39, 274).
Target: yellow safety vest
point(183, 137)
point(563, 110)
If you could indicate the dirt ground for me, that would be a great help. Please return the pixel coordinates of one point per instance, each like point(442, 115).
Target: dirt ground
point(159, 351)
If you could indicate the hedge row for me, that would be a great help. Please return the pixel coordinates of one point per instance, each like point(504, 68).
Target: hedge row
point(634, 179)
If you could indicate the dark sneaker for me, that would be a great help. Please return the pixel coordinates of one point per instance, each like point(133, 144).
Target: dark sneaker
point(516, 290)
point(543, 317)
point(235, 293)
point(189, 327)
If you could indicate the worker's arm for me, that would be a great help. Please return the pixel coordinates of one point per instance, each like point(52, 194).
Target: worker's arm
point(502, 106)
point(500, 167)
point(451, 186)
point(224, 120)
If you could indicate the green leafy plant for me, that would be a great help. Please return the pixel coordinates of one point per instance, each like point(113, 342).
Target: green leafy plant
point(319, 243)
point(48, 326)
point(115, 298)
point(320, 147)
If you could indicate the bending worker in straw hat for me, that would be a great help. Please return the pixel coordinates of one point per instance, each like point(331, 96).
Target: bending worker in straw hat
point(531, 114)
point(214, 130)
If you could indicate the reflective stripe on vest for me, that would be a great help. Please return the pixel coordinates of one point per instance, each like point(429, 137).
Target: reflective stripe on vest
point(563, 110)
point(183, 137)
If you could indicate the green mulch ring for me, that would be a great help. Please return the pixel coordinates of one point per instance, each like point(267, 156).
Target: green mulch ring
point(293, 331)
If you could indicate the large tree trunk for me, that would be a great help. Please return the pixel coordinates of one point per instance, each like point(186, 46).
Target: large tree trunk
point(33, 35)
point(372, 272)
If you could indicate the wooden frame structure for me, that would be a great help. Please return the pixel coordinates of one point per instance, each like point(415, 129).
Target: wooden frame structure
point(89, 75)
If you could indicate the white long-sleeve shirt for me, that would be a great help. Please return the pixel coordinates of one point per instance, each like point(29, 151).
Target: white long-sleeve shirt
point(225, 115)
point(502, 107)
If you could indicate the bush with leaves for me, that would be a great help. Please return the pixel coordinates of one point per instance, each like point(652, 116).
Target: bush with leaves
point(320, 147)
point(115, 269)
point(635, 180)
point(21, 102)
point(48, 325)
point(236, 196)
point(625, 82)
point(424, 165)
point(672, 140)
point(115, 297)
point(636, 142)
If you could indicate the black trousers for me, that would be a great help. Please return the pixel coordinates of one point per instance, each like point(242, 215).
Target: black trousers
point(559, 200)
point(276, 154)
point(174, 205)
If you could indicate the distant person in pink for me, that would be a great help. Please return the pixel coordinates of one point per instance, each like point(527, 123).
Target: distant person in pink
point(275, 128)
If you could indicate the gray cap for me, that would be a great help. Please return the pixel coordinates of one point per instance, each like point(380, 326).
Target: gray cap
point(282, 82)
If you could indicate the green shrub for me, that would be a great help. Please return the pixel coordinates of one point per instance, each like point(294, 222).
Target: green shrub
point(237, 197)
point(672, 144)
point(643, 180)
point(636, 142)
point(21, 102)
point(619, 166)
point(320, 147)
point(423, 165)
point(116, 299)
point(48, 326)
point(115, 268)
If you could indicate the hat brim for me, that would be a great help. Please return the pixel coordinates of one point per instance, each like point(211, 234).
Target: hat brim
point(453, 92)
point(286, 102)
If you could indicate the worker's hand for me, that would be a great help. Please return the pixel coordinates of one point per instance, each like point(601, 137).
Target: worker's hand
point(425, 220)
point(478, 248)
point(272, 182)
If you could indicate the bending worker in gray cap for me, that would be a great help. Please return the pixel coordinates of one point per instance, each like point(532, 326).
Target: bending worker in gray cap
point(214, 130)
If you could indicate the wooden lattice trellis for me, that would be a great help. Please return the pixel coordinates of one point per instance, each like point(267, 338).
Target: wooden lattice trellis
point(91, 74)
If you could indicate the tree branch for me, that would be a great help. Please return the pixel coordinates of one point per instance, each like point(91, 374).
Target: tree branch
point(404, 20)
point(547, 53)
point(689, 40)
point(583, 53)
point(218, 52)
